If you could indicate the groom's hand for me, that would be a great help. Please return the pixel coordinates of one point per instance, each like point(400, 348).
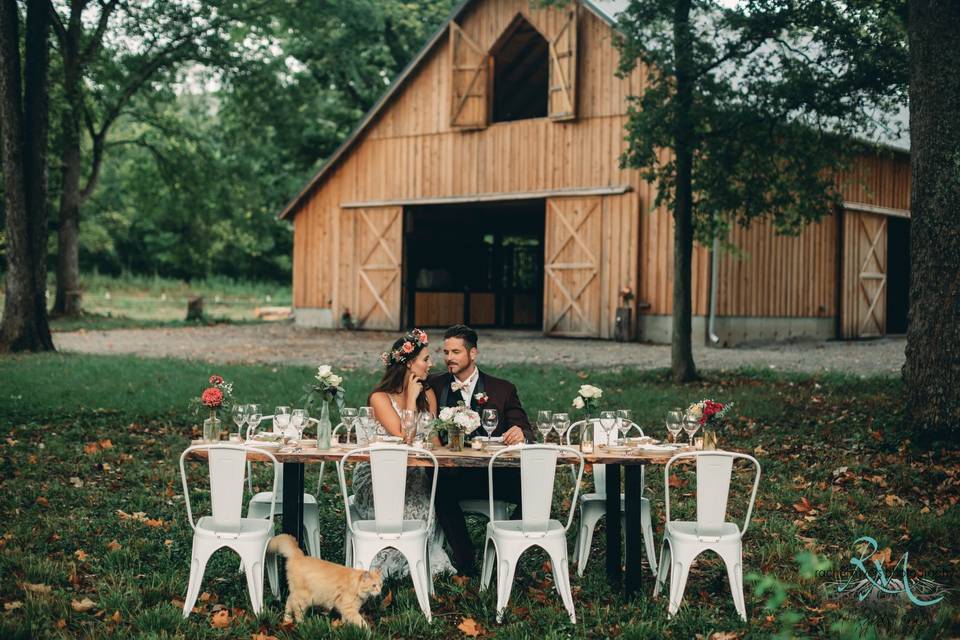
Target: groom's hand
point(514, 435)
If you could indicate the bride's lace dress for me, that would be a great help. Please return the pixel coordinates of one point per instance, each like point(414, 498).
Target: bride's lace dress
point(391, 562)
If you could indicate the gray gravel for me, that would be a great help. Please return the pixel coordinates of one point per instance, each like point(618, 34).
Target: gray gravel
point(283, 343)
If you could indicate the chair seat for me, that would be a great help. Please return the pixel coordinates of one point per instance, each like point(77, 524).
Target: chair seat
point(368, 528)
point(684, 530)
point(514, 529)
point(267, 497)
point(245, 528)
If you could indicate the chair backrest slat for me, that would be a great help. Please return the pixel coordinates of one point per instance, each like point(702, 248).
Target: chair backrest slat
point(537, 470)
point(388, 470)
point(713, 488)
point(227, 470)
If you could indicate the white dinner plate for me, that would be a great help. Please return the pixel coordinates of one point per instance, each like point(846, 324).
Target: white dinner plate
point(661, 447)
point(264, 444)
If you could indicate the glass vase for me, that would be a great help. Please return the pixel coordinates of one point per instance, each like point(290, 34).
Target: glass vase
point(586, 436)
point(709, 439)
point(211, 428)
point(455, 439)
point(324, 427)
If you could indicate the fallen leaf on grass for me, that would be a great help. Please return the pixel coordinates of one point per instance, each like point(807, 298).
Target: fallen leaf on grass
point(80, 554)
point(42, 589)
point(91, 448)
point(803, 506)
point(676, 482)
point(461, 580)
point(220, 620)
point(82, 605)
point(205, 597)
point(43, 502)
point(113, 545)
point(883, 556)
point(387, 600)
point(262, 636)
point(894, 501)
point(106, 444)
point(469, 627)
point(61, 623)
point(116, 617)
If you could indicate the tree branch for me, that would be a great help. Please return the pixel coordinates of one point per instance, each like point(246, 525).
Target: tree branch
point(57, 24)
point(106, 10)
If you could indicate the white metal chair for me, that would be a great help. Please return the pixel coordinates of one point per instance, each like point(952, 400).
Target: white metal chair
point(683, 541)
point(506, 540)
point(225, 528)
point(593, 506)
point(388, 529)
point(347, 546)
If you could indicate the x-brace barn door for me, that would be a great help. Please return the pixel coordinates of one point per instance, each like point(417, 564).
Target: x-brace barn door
point(865, 275)
point(572, 254)
point(378, 252)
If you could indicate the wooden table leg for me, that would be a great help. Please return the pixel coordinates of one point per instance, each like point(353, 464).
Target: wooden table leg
point(633, 572)
point(613, 526)
point(292, 510)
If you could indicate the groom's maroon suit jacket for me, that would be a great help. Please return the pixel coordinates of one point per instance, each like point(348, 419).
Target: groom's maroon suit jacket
point(501, 395)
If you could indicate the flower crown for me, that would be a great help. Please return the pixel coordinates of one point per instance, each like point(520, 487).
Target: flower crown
point(411, 342)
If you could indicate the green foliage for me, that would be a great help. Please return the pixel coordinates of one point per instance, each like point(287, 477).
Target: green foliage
point(779, 90)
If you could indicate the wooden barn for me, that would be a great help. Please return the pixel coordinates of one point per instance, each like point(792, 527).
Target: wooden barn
point(484, 187)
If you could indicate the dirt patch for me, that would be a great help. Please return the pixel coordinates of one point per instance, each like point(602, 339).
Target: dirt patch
point(283, 343)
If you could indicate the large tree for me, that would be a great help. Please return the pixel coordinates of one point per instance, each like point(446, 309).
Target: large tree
point(24, 108)
point(932, 369)
point(755, 106)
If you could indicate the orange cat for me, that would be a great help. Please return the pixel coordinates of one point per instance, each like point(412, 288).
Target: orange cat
point(316, 582)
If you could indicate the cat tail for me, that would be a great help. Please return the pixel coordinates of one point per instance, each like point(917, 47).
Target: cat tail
point(286, 545)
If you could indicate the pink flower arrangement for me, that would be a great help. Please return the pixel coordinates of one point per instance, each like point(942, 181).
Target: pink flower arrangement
point(219, 395)
point(709, 412)
point(216, 380)
point(212, 398)
point(416, 338)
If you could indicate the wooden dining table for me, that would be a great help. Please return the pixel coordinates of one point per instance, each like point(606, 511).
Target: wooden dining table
point(625, 577)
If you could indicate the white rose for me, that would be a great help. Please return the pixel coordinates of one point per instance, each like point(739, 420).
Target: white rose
point(334, 380)
point(468, 420)
point(446, 413)
point(578, 403)
point(590, 391)
point(323, 371)
point(695, 410)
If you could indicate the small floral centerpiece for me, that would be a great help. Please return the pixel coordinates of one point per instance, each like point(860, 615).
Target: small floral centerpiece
point(327, 387)
point(588, 397)
point(454, 422)
point(710, 414)
point(219, 395)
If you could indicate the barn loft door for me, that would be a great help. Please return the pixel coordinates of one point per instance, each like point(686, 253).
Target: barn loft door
point(572, 267)
point(470, 77)
point(378, 251)
point(563, 71)
point(865, 271)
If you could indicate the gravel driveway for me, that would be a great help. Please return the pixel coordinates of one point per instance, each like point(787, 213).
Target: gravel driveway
point(282, 342)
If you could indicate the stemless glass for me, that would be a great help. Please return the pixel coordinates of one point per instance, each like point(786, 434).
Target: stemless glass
point(624, 422)
point(490, 419)
point(364, 425)
point(253, 419)
point(674, 423)
point(690, 426)
point(608, 419)
point(239, 415)
point(424, 424)
point(561, 422)
point(408, 421)
point(544, 423)
point(348, 416)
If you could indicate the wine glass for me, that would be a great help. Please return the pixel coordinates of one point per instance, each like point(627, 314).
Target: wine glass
point(608, 419)
point(253, 419)
point(490, 419)
point(561, 422)
point(364, 425)
point(544, 423)
point(690, 426)
point(424, 424)
point(239, 415)
point(674, 423)
point(624, 422)
point(281, 420)
point(408, 422)
point(348, 416)
point(298, 421)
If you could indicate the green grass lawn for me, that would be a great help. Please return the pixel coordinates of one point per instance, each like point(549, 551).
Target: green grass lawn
point(87, 440)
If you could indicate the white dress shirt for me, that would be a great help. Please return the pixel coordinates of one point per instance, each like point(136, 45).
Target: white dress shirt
point(471, 383)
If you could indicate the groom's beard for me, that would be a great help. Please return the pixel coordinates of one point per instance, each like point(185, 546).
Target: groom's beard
point(456, 369)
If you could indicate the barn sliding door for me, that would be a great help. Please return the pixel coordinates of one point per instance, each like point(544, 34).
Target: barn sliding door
point(378, 252)
point(864, 311)
point(562, 101)
point(572, 253)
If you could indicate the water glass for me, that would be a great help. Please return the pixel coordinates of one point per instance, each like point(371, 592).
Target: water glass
point(298, 421)
point(624, 422)
point(253, 419)
point(424, 425)
point(561, 422)
point(281, 420)
point(408, 421)
point(348, 416)
point(690, 426)
point(239, 415)
point(674, 423)
point(544, 423)
point(608, 419)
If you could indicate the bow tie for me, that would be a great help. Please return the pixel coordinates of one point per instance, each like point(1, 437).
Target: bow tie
point(456, 385)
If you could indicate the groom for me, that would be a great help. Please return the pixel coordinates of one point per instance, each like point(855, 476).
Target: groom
point(464, 382)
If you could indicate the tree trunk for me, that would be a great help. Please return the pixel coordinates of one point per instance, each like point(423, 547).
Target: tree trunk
point(932, 370)
point(24, 154)
point(681, 351)
point(67, 302)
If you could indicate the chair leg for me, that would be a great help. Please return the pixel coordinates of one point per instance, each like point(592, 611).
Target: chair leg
point(421, 580)
point(312, 527)
point(348, 549)
point(647, 527)
point(663, 569)
point(198, 564)
point(678, 584)
point(588, 522)
point(505, 571)
point(426, 559)
point(735, 576)
point(561, 579)
point(254, 571)
point(489, 558)
point(272, 574)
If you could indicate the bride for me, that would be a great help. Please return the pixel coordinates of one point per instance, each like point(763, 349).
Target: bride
point(402, 388)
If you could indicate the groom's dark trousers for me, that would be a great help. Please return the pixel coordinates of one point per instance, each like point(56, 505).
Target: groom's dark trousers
point(454, 485)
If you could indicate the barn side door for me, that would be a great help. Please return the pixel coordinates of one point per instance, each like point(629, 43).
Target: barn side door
point(864, 307)
point(378, 255)
point(572, 254)
point(469, 81)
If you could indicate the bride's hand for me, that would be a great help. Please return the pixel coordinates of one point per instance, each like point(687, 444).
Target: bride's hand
point(414, 387)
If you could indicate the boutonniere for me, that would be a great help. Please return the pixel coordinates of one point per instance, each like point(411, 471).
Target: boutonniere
point(481, 398)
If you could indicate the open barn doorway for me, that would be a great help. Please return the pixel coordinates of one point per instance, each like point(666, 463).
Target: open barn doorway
point(478, 263)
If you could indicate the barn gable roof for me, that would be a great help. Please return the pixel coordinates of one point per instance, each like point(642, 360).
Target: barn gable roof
point(606, 10)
